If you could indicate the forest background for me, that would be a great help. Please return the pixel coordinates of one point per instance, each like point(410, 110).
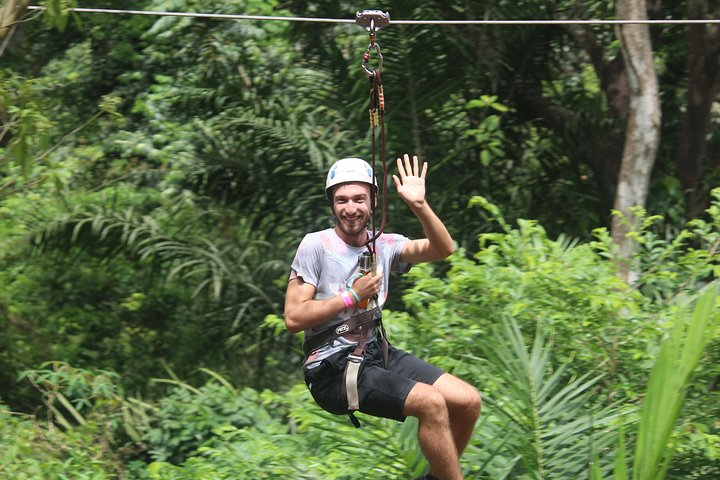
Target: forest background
point(157, 173)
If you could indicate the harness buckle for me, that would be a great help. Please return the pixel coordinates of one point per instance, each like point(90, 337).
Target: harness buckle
point(355, 358)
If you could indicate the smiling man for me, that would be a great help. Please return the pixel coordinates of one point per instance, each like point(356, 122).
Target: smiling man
point(349, 366)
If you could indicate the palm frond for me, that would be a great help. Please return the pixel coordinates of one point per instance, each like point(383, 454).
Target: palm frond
point(223, 268)
point(550, 419)
point(678, 357)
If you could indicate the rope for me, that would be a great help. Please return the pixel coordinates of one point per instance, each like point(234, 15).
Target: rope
point(377, 121)
point(224, 16)
point(373, 20)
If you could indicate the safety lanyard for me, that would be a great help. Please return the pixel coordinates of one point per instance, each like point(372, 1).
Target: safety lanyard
point(373, 20)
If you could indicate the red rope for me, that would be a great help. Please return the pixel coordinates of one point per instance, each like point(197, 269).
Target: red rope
point(377, 119)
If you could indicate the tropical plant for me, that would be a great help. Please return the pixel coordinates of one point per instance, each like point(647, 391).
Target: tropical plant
point(567, 292)
point(677, 359)
point(299, 440)
point(30, 450)
point(156, 174)
point(186, 417)
point(72, 435)
point(551, 420)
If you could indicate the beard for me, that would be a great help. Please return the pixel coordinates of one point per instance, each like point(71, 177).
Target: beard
point(352, 227)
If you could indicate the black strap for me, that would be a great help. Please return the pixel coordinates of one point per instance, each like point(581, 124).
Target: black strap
point(349, 326)
point(354, 420)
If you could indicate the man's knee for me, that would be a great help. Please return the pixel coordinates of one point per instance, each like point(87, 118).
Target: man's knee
point(426, 402)
point(459, 395)
point(473, 401)
point(467, 402)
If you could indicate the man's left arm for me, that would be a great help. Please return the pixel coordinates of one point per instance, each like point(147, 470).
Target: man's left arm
point(410, 184)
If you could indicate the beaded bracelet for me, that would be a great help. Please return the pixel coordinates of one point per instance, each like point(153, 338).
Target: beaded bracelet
point(346, 300)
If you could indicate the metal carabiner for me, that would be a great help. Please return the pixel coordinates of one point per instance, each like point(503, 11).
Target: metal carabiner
point(366, 59)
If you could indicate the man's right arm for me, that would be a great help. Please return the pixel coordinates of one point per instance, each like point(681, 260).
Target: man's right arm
point(302, 311)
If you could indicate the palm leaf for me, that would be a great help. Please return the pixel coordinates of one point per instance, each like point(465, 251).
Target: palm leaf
point(678, 357)
point(551, 418)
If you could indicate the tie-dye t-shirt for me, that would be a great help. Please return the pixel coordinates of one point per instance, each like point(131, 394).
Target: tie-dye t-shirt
point(327, 262)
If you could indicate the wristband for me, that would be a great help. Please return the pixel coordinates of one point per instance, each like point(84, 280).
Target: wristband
point(346, 300)
point(354, 294)
point(349, 283)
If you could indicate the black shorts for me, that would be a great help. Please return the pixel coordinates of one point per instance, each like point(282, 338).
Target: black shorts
point(382, 391)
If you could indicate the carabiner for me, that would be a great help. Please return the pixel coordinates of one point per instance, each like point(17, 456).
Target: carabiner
point(366, 59)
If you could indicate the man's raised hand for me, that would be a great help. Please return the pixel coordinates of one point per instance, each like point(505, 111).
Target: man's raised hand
point(410, 181)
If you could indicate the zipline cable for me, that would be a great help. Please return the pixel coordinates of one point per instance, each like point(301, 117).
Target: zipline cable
point(226, 16)
point(216, 16)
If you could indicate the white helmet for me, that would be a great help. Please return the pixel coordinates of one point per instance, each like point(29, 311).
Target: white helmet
point(349, 170)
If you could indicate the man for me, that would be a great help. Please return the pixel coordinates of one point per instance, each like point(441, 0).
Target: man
point(326, 296)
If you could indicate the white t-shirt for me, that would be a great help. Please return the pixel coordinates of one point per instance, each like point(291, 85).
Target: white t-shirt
point(327, 262)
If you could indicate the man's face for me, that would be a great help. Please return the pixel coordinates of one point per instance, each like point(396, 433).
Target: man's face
point(351, 205)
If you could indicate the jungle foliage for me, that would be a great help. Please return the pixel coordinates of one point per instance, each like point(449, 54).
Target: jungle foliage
point(157, 173)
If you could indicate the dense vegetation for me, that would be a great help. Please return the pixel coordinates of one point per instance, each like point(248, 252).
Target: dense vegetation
point(156, 174)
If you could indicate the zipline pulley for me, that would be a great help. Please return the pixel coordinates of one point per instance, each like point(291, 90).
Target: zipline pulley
point(372, 21)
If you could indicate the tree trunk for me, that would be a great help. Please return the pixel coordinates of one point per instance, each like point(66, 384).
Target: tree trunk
point(642, 136)
point(611, 73)
point(10, 13)
point(703, 87)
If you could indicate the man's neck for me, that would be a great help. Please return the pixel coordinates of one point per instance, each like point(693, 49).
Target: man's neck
point(358, 240)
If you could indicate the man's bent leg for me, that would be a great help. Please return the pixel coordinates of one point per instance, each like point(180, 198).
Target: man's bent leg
point(463, 404)
point(436, 441)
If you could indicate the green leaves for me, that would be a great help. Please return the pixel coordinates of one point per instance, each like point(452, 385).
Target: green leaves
point(167, 168)
point(552, 419)
point(57, 12)
point(24, 125)
point(30, 450)
point(75, 389)
point(544, 327)
point(678, 357)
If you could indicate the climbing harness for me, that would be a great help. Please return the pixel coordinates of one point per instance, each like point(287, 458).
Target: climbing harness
point(361, 324)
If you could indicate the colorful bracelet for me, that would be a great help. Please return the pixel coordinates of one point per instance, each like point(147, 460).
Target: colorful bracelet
point(354, 294)
point(346, 300)
point(350, 280)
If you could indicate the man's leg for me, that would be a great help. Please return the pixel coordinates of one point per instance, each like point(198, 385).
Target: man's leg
point(463, 404)
point(428, 404)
